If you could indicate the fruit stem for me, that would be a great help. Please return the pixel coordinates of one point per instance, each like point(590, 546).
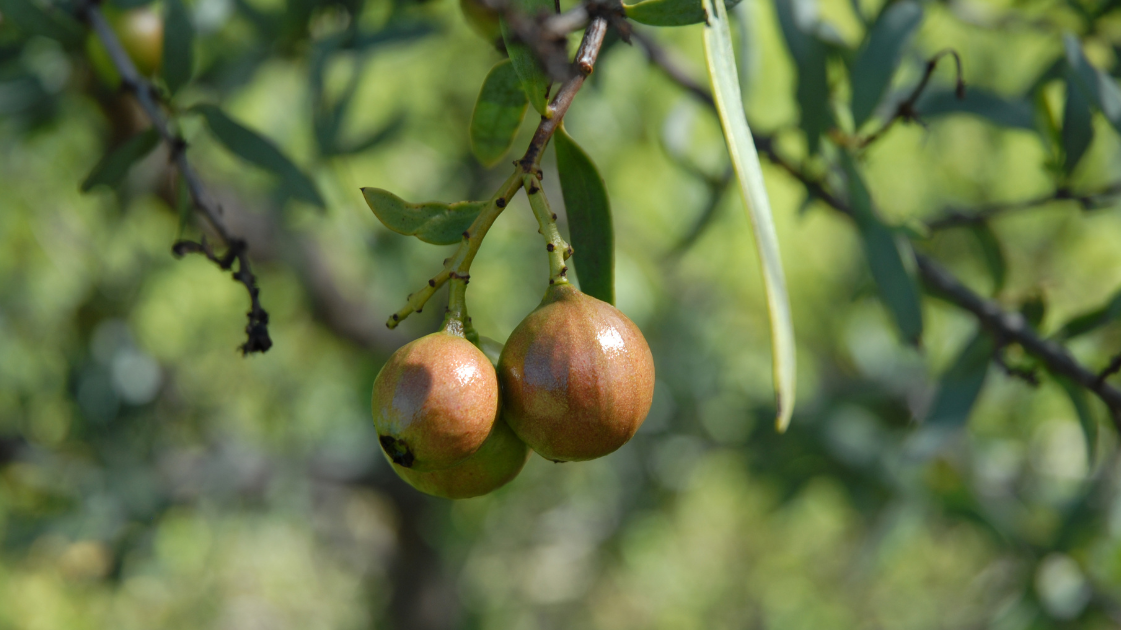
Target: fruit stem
point(456, 319)
point(558, 250)
point(458, 266)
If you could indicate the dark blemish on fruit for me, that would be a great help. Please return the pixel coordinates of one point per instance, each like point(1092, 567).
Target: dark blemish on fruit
point(397, 450)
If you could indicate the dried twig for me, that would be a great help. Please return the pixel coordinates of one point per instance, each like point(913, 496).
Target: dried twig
point(905, 111)
point(146, 95)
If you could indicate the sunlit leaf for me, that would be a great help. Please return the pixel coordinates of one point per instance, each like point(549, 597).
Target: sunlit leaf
point(992, 253)
point(1081, 403)
point(886, 251)
point(670, 12)
point(721, 59)
point(432, 222)
point(1092, 320)
point(1013, 113)
point(178, 46)
point(809, 53)
point(880, 56)
point(260, 151)
point(498, 113)
point(589, 219)
point(114, 166)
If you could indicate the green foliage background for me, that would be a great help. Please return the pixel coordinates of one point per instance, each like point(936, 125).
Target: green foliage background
point(153, 478)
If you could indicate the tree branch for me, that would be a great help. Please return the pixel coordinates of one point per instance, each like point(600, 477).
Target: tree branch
point(1088, 201)
point(1004, 326)
point(905, 111)
point(256, 330)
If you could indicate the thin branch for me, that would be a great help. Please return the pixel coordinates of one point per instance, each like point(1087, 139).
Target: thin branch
point(905, 111)
point(1007, 327)
point(1113, 368)
point(256, 330)
point(583, 65)
point(1087, 201)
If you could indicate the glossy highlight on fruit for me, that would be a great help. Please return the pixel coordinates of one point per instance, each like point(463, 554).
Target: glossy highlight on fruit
point(494, 465)
point(140, 32)
point(435, 402)
point(577, 377)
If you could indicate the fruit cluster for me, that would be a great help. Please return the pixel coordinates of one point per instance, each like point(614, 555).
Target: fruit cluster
point(573, 382)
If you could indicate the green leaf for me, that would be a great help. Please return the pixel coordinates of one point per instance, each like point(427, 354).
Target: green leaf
point(498, 113)
point(1078, 127)
point(958, 390)
point(178, 46)
point(877, 61)
point(1092, 320)
point(1098, 87)
point(28, 17)
point(1086, 420)
point(992, 253)
point(810, 54)
point(432, 222)
point(670, 12)
point(113, 167)
point(533, 78)
point(1011, 113)
point(721, 59)
point(589, 219)
point(260, 151)
point(886, 251)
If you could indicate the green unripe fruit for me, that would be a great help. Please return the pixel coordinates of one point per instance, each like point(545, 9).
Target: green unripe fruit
point(577, 377)
point(435, 402)
point(140, 32)
point(482, 19)
point(494, 465)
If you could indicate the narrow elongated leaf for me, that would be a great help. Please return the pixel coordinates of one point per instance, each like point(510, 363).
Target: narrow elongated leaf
point(885, 252)
point(33, 20)
point(113, 167)
point(533, 78)
point(1092, 320)
point(178, 46)
point(1005, 112)
point(721, 59)
point(992, 253)
point(589, 219)
point(877, 61)
point(670, 12)
point(812, 90)
point(260, 151)
point(1078, 127)
point(498, 113)
point(432, 222)
point(958, 390)
point(1098, 87)
point(1086, 420)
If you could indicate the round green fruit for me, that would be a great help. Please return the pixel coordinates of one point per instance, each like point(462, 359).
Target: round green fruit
point(435, 402)
point(577, 377)
point(140, 32)
point(499, 460)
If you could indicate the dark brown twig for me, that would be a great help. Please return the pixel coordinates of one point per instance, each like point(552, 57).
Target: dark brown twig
point(1006, 327)
point(905, 111)
point(258, 339)
point(1087, 201)
point(1113, 368)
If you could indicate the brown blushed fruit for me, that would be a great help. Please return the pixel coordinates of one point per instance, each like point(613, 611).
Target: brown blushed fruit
point(499, 460)
point(577, 377)
point(435, 402)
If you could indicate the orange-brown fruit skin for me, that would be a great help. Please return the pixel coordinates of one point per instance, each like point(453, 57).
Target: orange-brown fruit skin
point(494, 465)
point(435, 402)
point(577, 377)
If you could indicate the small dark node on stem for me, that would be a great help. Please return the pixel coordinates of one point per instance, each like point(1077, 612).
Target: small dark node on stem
point(178, 145)
point(420, 310)
point(551, 281)
point(549, 247)
point(466, 234)
point(500, 202)
point(431, 283)
point(571, 251)
point(533, 190)
point(563, 271)
point(446, 261)
point(554, 216)
point(396, 317)
point(540, 175)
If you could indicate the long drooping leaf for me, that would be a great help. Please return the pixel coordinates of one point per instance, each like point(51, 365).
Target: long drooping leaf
point(885, 251)
point(809, 54)
point(1081, 403)
point(589, 219)
point(113, 167)
point(1078, 127)
point(533, 78)
point(432, 222)
point(877, 61)
point(958, 390)
point(256, 149)
point(721, 59)
point(992, 254)
point(1005, 112)
point(178, 46)
point(1097, 86)
point(498, 113)
point(1092, 320)
point(670, 12)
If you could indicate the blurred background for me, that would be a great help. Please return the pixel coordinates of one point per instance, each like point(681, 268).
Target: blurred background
point(152, 477)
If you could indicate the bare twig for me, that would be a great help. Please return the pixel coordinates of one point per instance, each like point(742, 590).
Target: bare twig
point(1113, 368)
point(1087, 201)
point(1007, 327)
point(256, 330)
point(905, 111)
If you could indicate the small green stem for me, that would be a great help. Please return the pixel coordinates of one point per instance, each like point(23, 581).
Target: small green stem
point(455, 321)
point(458, 266)
point(558, 249)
